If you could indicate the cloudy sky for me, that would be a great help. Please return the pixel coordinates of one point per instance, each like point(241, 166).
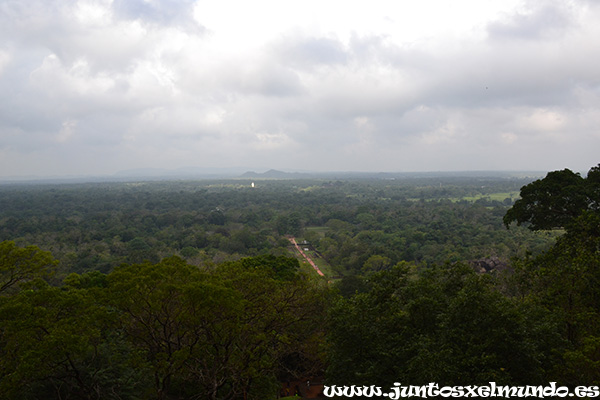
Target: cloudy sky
point(92, 87)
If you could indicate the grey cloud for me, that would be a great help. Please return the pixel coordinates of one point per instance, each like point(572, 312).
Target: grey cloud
point(545, 20)
point(309, 52)
point(375, 49)
point(270, 80)
point(109, 42)
point(50, 27)
point(165, 12)
point(109, 94)
point(505, 79)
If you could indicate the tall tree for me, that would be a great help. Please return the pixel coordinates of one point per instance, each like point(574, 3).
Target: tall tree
point(565, 280)
point(447, 325)
point(61, 343)
point(556, 200)
point(220, 334)
point(22, 264)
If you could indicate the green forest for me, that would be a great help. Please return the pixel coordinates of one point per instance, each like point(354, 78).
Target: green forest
point(188, 289)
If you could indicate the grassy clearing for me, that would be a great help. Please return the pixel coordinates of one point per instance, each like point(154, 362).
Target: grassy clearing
point(305, 267)
point(312, 254)
point(317, 229)
point(310, 188)
point(312, 233)
point(321, 263)
point(501, 196)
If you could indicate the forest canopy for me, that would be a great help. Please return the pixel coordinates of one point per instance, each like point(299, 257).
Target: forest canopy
point(186, 290)
point(422, 219)
point(556, 200)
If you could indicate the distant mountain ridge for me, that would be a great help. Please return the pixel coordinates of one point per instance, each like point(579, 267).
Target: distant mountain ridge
point(191, 173)
point(274, 173)
point(277, 174)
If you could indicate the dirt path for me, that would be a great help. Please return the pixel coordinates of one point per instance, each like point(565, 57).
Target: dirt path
point(306, 257)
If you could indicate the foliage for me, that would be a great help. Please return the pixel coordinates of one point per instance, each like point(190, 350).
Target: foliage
point(423, 219)
point(565, 280)
point(185, 290)
point(166, 330)
point(62, 344)
point(556, 200)
point(447, 325)
point(19, 265)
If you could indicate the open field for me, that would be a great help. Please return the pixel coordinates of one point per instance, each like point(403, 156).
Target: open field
point(314, 256)
point(320, 230)
point(501, 196)
point(321, 263)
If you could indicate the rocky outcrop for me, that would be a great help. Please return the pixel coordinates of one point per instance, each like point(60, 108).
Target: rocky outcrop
point(490, 264)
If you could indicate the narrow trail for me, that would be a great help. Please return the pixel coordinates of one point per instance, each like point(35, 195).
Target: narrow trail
point(306, 257)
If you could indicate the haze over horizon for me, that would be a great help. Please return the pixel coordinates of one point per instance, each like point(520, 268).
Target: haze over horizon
point(94, 87)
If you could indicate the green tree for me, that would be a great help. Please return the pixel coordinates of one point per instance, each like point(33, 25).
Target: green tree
point(157, 315)
point(556, 200)
point(62, 343)
point(565, 280)
point(282, 267)
point(376, 263)
point(446, 324)
point(222, 334)
point(22, 264)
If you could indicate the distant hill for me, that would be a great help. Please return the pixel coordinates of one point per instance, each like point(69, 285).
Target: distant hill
point(273, 173)
point(237, 173)
point(277, 174)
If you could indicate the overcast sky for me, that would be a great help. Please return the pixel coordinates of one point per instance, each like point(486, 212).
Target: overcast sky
point(91, 87)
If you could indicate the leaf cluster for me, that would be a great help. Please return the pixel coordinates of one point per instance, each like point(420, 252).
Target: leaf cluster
point(163, 330)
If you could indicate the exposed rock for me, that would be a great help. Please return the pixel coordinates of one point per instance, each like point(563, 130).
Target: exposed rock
point(486, 265)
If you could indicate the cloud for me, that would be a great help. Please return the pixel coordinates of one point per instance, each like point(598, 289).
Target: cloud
point(268, 80)
point(163, 12)
point(538, 20)
point(100, 85)
point(4, 60)
point(306, 53)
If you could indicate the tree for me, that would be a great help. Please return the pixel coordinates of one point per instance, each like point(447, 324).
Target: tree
point(61, 343)
point(556, 200)
point(219, 334)
point(284, 268)
point(446, 324)
point(565, 280)
point(22, 264)
point(157, 315)
point(376, 263)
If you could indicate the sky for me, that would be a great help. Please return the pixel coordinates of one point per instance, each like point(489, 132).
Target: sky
point(93, 87)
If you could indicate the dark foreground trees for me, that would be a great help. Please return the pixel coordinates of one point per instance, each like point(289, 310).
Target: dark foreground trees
point(215, 335)
point(557, 200)
point(163, 331)
point(448, 325)
point(22, 264)
point(566, 279)
point(234, 330)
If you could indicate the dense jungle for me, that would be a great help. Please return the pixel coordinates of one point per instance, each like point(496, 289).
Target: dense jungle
point(192, 289)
